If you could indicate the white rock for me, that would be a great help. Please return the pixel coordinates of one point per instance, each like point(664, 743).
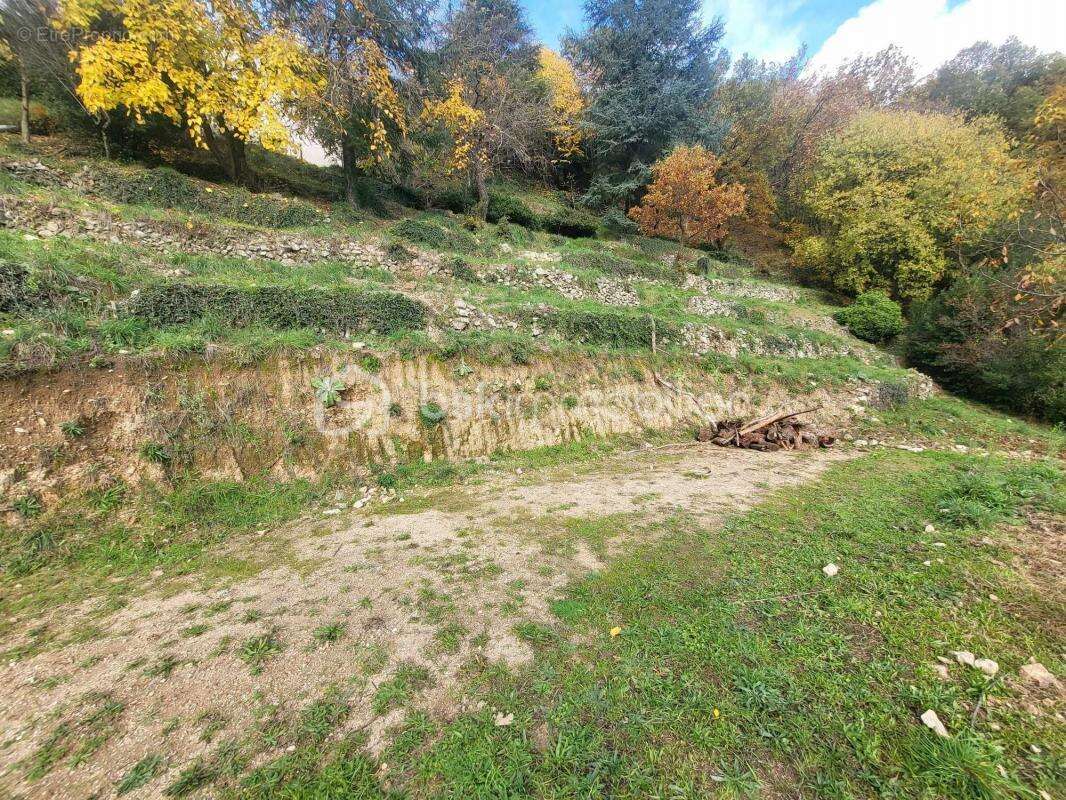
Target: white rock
point(830, 569)
point(1036, 673)
point(331, 512)
point(503, 720)
point(930, 528)
point(933, 723)
point(964, 657)
point(941, 671)
point(986, 665)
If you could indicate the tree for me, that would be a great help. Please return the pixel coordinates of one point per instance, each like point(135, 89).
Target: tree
point(492, 106)
point(215, 69)
point(685, 201)
point(1008, 81)
point(899, 196)
point(43, 57)
point(369, 48)
point(777, 115)
point(565, 103)
point(652, 67)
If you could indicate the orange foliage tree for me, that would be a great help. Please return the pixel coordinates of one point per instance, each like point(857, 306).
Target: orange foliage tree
point(686, 202)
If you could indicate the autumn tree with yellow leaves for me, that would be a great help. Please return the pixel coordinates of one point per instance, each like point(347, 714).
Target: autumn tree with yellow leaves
point(686, 202)
point(565, 104)
point(491, 105)
point(369, 50)
point(216, 69)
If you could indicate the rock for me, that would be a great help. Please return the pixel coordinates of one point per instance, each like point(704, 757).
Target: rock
point(830, 569)
point(503, 720)
point(941, 671)
point(933, 723)
point(964, 657)
point(987, 666)
point(1037, 674)
point(930, 528)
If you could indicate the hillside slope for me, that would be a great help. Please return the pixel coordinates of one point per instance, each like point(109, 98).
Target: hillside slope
point(303, 501)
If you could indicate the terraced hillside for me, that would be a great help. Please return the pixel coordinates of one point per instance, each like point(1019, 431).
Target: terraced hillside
point(309, 501)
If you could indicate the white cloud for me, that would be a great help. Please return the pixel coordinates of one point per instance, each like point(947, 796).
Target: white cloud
point(931, 32)
point(761, 28)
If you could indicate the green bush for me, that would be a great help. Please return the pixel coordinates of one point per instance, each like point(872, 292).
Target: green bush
point(454, 199)
point(611, 328)
point(873, 317)
point(615, 222)
point(14, 293)
point(338, 309)
point(166, 188)
point(437, 236)
point(571, 222)
point(963, 338)
point(505, 205)
point(624, 267)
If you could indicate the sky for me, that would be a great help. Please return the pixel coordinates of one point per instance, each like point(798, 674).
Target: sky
point(930, 31)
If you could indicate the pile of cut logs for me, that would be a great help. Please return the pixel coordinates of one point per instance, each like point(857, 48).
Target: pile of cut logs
point(779, 431)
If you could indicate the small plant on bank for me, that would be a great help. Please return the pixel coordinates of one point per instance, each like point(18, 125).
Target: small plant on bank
point(431, 414)
point(395, 410)
point(73, 428)
point(328, 390)
point(28, 506)
point(543, 383)
point(570, 402)
point(156, 453)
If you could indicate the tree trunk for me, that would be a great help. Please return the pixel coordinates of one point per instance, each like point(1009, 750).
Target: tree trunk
point(477, 174)
point(229, 152)
point(348, 161)
point(24, 117)
point(105, 123)
point(238, 157)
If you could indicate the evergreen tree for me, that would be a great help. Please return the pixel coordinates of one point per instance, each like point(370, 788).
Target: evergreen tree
point(652, 66)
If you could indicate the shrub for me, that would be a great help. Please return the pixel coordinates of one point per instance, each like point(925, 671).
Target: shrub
point(571, 222)
point(505, 205)
point(167, 188)
point(421, 232)
point(873, 317)
point(614, 221)
point(14, 293)
point(457, 200)
point(610, 327)
point(433, 235)
point(966, 338)
point(613, 265)
point(337, 309)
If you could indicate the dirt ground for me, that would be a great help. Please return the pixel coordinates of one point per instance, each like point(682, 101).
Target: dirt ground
point(425, 591)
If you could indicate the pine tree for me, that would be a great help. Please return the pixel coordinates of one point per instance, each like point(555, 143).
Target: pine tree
point(652, 67)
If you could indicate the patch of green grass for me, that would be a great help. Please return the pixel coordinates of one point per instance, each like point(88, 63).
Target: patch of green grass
point(405, 683)
point(79, 738)
point(140, 774)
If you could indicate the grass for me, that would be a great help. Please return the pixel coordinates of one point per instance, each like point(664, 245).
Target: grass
point(739, 669)
point(140, 774)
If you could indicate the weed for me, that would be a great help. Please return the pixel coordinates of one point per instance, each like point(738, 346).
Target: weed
point(328, 390)
point(194, 777)
point(431, 414)
point(28, 505)
point(255, 652)
point(73, 428)
point(328, 634)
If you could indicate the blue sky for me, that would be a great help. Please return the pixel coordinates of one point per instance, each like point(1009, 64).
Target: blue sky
point(930, 31)
point(764, 27)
